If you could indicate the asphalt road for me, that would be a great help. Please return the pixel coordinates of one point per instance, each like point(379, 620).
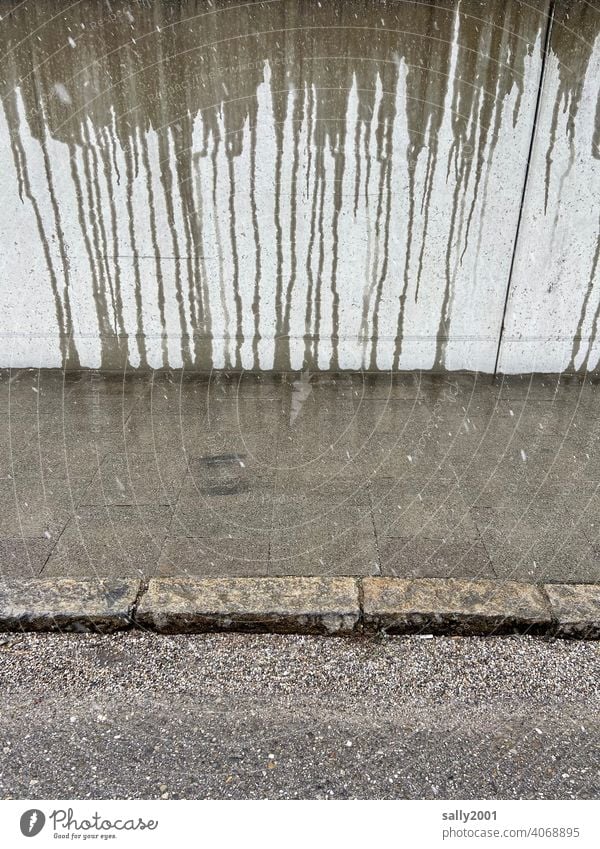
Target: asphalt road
point(144, 716)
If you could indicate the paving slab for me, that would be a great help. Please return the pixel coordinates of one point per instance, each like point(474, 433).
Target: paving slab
point(419, 557)
point(352, 551)
point(24, 556)
point(110, 542)
point(136, 478)
point(436, 511)
point(213, 557)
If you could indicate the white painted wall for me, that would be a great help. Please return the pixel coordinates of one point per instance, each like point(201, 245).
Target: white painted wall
point(553, 315)
point(290, 186)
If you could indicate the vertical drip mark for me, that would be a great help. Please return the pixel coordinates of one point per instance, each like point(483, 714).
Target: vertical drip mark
point(573, 52)
point(486, 182)
point(182, 143)
point(320, 181)
point(372, 286)
point(17, 151)
point(298, 120)
point(198, 230)
point(595, 320)
point(99, 259)
point(479, 155)
point(71, 358)
point(386, 238)
point(366, 298)
point(157, 258)
point(112, 137)
point(426, 203)
point(411, 153)
point(141, 339)
point(98, 290)
point(311, 240)
point(166, 180)
point(257, 246)
point(219, 246)
point(544, 58)
point(101, 240)
point(199, 306)
point(239, 336)
point(340, 159)
point(20, 161)
point(104, 149)
point(562, 99)
point(279, 125)
point(309, 133)
point(357, 162)
point(442, 331)
point(411, 156)
point(136, 154)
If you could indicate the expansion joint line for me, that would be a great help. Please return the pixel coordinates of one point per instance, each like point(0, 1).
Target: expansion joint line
point(538, 102)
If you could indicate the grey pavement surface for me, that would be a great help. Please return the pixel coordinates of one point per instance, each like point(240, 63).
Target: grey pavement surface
point(144, 716)
point(408, 476)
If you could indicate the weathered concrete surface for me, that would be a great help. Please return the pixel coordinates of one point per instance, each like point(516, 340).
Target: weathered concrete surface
point(553, 313)
point(454, 605)
point(66, 605)
point(141, 716)
point(298, 605)
point(407, 477)
point(278, 186)
point(576, 609)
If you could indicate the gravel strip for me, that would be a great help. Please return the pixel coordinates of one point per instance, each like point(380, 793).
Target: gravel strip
point(136, 715)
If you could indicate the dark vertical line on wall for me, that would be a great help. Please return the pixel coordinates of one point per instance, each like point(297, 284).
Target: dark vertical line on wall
point(297, 123)
point(235, 262)
point(538, 103)
point(257, 245)
point(137, 277)
point(165, 147)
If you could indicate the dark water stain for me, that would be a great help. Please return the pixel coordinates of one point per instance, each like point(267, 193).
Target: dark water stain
point(236, 363)
point(129, 177)
point(297, 121)
point(255, 233)
point(107, 76)
point(145, 162)
point(595, 322)
point(575, 29)
point(25, 190)
point(166, 180)
point(279, 105)
point(387, 189)
point(573, 36)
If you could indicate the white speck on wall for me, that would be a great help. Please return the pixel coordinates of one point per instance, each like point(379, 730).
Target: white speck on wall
point(61, 92)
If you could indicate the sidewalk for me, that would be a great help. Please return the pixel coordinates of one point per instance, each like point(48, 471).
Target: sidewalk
point(411, 476)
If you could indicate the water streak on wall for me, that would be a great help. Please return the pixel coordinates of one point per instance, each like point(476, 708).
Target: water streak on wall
point(272, 185)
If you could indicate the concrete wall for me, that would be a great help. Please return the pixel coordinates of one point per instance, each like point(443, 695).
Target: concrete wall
point(553, 311)
point(294, 184)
